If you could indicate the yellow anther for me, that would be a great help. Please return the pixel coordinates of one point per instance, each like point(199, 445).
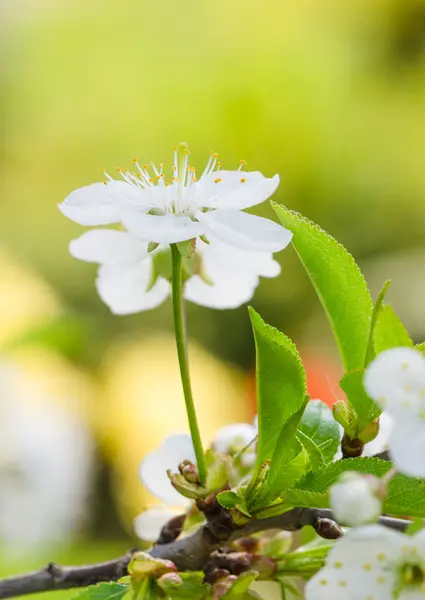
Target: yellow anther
point(150, 180)
point(381, 556)
point(215, 155)
point(105, 183)
point(119, 170)
point(337, 564)
point(367, 567)
point(323, 582)
point(166, 184)
point(135, 160)
point(218, 180)
point(243, 180)
point(342, 583)
point(145, 167)
point(242, 162)
point(380, 579)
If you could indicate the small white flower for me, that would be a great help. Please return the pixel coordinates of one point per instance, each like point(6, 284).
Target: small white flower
point(396, 381)
point(126, 281)
point(234, 438)
point(167, 212)
point(354, 499)
point(153, 469)
point(372, 562)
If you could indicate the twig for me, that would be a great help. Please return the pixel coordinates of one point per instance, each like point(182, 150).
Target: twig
point(188, 553)
point(56, 577)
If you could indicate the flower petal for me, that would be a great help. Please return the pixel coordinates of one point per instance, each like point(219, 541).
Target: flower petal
point(123, 288)
point(108, 246)
point(407, 446)
point(218, 255)
point(99, 204)
point(358, 566)
point(154, 467)
point(245, 231)
point(396, 380)
point(225, 293)
point(149, 523)
point(162, 229)
point(235, 436)
point(234, 189)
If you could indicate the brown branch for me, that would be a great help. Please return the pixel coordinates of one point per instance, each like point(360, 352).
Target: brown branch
point(188, 554)
point(55, 577)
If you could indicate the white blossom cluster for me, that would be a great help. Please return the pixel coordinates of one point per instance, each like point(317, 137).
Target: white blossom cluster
point(372, 562)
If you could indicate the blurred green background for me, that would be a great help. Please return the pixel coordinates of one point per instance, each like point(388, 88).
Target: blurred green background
point(329, 94)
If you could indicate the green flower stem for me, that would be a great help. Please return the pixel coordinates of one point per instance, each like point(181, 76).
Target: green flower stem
point(180, 333)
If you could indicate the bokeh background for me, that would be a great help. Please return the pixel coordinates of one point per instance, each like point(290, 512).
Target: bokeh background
point(329, 94)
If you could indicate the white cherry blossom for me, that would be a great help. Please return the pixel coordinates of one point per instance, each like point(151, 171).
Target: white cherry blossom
point(127, 281)
point(396, 381)
point(148, 525)
point(372, 563)
point(354, 499)
point(164, 211)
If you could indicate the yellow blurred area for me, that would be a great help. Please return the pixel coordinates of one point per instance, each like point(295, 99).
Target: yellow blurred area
point(144, 402)
point(24, 299)
point(328, 94)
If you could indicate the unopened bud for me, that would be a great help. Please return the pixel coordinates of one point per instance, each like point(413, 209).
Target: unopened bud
point(143, 565)
point(369, 433)
point(190, 473)
point(170, 578)
point(248, 544)
point(222, 586)
point(345, 416)
point(355, 499)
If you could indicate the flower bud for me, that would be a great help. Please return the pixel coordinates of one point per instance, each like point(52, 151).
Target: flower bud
point(355, 499)
point(369, 433)
point(143, 565)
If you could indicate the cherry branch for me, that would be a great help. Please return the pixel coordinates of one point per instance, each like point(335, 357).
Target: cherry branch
point(190, 553)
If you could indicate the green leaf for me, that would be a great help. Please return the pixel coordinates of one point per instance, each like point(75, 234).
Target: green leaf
point(228, 499)
point(191, 588)
point(406, 495)
point(326, 477)
point(319, 424)
point(370, 352)
point(421, 347)
point(240, 586)
point(281, 385)
point(288, 465)
point(339, 284)
point(365, 408)
point(315, 456)
point(103, 591)
point(389, 331)
point(415, 526)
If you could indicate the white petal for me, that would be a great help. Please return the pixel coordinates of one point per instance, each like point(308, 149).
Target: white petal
point(108, 246)
point(360, 565)
point(162, 229)
point(153, 469)
point(227, 293)
point(396, 380)
point(99, 204)
point(380, 443)
point(123, 288)
point(235, 189)
point(235, 436)
point(219, 256)
point(407, 446)
point(149, 523)
point(245, 231)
